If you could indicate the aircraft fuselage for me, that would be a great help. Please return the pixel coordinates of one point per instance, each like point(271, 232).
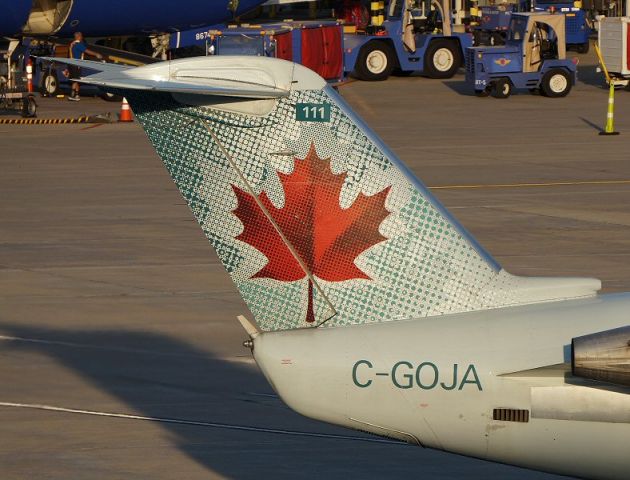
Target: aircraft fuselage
point(476, 384)
point(112, 17)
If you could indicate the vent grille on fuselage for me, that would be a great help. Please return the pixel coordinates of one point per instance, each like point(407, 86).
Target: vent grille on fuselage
point(510, 415)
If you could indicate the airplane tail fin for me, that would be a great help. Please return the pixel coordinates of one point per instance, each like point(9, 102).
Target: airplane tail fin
point(315, 219)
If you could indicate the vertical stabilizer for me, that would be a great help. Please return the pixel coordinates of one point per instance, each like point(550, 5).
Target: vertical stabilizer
point(314, 218)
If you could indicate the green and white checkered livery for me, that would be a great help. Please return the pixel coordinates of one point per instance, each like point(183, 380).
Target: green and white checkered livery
point(315, 220)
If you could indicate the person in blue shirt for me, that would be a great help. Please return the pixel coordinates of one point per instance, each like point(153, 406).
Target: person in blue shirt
point(77, 50)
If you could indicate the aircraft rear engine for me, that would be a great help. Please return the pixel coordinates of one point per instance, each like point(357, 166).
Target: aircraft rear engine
point(47, 16)
point(603, 356)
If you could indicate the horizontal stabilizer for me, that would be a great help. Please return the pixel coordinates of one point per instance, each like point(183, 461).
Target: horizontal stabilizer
point(225, 76)
point(102, 67)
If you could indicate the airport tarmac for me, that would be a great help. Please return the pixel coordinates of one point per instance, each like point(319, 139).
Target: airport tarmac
point(120, 353)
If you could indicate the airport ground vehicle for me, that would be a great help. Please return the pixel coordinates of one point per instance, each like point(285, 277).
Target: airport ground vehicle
point(577, 26)
point(51, 77)
point(494, 22)
point(406, 37)
point(614, 44)
point(533, 57)
point(14, 94)
point(414, 36)
point(317, 45)
point(374, 308)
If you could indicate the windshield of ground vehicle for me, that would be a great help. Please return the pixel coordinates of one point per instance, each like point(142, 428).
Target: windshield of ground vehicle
point(516, 30)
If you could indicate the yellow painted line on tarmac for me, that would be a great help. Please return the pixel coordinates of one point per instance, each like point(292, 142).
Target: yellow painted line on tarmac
point(529, 185)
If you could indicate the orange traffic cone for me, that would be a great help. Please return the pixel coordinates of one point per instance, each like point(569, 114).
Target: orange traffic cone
point(125, 112)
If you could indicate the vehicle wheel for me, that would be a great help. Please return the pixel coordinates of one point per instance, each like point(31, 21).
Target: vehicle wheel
point(110, 97)
point(50, 84)
point(501, 88)
point(556, 83)
point(375, 62)
point(583, 47)
point(442, 59)
point(482, 93)
point(29, 107)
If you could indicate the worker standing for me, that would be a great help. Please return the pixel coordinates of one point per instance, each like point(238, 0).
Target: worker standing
point(77, 50)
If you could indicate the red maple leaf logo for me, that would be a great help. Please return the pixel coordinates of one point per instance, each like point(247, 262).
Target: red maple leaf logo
point(326, 237)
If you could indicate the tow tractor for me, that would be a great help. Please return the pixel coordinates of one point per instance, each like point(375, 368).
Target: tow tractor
point(408, 36)
point(533, 57)
point(14, 94)
point(577, 25)
point(494, 21)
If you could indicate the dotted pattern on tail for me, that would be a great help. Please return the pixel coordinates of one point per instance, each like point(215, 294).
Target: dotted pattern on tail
point(423, 267)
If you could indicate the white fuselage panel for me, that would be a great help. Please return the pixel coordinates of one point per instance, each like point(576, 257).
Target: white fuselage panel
point(436, 381)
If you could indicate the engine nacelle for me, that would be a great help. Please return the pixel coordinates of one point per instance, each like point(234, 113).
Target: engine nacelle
point(603, 356)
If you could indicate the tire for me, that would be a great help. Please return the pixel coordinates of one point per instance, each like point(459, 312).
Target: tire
point(110, 97)
point(442, 59)
point(375, 62)
point(29, 107)
point(501, 88)
point(584, 47)
point(50, 84)
point(556, 83)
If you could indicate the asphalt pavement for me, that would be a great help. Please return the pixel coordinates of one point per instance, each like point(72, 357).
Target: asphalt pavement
point(120, 353)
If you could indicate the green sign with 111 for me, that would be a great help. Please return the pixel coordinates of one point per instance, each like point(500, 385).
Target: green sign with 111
point(312, 112)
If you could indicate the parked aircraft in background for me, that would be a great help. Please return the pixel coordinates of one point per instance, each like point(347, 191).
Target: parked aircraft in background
point(114, 17)
point(375, 309)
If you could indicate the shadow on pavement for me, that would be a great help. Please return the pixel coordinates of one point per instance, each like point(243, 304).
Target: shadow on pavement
point(158, 376)
point(592, 124)
point(460, 86)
